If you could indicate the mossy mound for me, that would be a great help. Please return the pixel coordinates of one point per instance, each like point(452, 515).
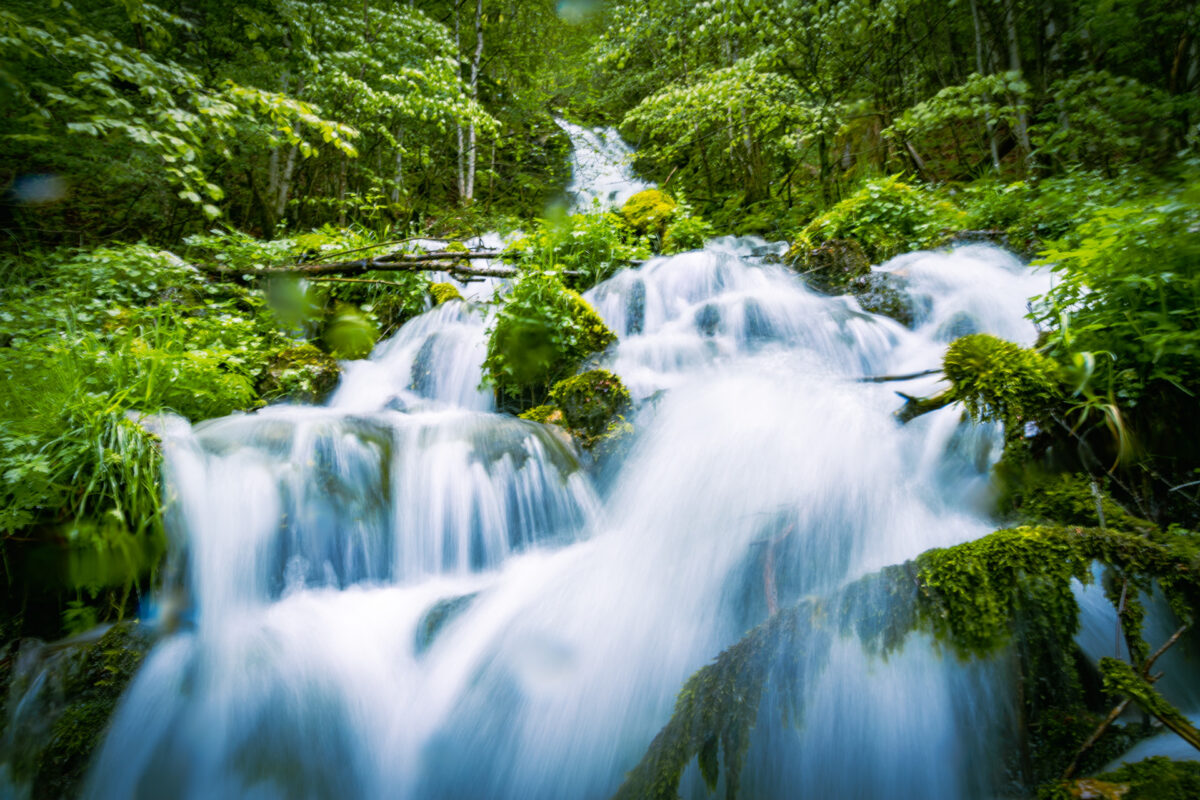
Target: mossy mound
point(301, 374)
point(1068, 499)
point(543, 334)
point(444, 293)
point(68, 693)
point(649, 211)
point(590, 407)
point(591, 400)
point(886, 217)
point(998, 380)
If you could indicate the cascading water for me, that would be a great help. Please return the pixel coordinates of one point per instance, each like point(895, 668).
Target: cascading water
point(406, 595)
point(601, 170)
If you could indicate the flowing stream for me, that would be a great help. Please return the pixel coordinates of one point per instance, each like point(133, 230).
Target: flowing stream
point(404, 594)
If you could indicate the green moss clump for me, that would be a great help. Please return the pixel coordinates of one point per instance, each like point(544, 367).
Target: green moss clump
point(543, 333)
point(444, 293)
point(591, 400)
point(649, 211)
point(999, 380)
point(545, 414)
point(302, 374)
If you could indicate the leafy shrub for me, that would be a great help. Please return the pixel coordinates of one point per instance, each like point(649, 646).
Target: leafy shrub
point(543, 332)
point(686, 233)
point(589, 246)
point(886, 217)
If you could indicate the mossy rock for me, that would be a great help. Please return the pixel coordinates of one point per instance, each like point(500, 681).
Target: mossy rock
point(595, 335)
point(444, 293)
point(884, 293)
point(302, 374)
point(831, 267)
point(78, 685)
point(649, 211)
point(590, 401)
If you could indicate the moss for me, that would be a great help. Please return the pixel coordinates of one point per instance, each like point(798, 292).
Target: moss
point(302, 374)
point(444, 293)
point(649, 211)
point(886, 217)
point(978, 598)
point(1066, 499)
point(999, 380)
point(1158, 778)
point(545, 414)
point(591, 400)
point(594, 335)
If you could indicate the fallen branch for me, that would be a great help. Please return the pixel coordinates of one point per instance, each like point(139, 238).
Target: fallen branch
point(918, 406)
point(885, 378)
point(1119, 709)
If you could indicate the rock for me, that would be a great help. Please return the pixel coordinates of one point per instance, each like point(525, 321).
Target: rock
point(302, 374)
point(591, 401)
point(886, 293)
point(439, 615)
point(832, 266)
point(62, 697)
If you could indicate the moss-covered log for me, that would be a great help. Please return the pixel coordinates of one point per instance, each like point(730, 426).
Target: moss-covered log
point(976, 599)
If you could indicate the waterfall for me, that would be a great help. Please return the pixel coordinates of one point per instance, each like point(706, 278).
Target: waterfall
point(405, 594)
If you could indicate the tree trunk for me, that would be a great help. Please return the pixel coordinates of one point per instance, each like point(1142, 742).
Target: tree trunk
point(991, 131)
point(469, 195)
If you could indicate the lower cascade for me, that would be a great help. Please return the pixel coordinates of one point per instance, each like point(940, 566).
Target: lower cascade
point(407, 594)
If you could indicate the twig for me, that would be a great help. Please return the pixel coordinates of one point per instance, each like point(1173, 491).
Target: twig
point(1120, 707)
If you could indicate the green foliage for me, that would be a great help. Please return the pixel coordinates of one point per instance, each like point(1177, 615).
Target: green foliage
point(1129, 293)
point(990, 99)
point(1099, 120)
point(685, 233)
point(542, 333)
point(591, 247)
point(999, 380)
point(886, 217)
point(1121, 680)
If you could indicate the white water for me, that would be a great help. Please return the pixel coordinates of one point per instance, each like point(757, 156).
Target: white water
point(317, 540)
point(601, 171)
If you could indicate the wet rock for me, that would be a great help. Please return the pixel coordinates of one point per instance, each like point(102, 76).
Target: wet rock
point(886, 293)
point(301, 374)
point(832, 266)
point(441, 614)
point(60, 700)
